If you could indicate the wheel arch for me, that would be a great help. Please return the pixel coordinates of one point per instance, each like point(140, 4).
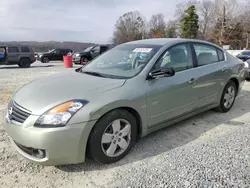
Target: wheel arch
point(23, 58)
point(237, 83)
point(131, 110)
point(45, 57)
point(85, 56)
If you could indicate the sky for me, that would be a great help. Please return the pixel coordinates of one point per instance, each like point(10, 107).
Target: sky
point(72, 20)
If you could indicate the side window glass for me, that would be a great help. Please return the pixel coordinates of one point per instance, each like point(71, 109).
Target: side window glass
point(25, 49)
point(178, 57)
point(221, 55)
point(63, 52)
point(13, 50)
point(57, 51)
point(96, 49)
point(206, 54)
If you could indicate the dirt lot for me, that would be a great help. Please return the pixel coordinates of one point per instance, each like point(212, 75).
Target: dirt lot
point(208, 150)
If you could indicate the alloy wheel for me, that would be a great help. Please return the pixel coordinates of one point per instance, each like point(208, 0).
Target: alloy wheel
point(229, 97)
point(116, 138)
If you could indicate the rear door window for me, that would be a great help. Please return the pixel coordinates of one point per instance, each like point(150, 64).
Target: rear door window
point(221, 55)
point(25, 49)
point(13, 49)
point(207, 54)
point(63, 51)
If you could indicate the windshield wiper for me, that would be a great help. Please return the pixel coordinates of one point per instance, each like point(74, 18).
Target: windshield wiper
point(93, 73)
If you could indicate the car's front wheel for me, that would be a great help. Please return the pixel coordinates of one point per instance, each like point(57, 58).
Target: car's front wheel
point(228, 97)
point(83, 60)
point(112, 137)
point(45, 60)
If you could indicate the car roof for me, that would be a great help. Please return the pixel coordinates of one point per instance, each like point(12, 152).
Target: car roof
point(169, 41)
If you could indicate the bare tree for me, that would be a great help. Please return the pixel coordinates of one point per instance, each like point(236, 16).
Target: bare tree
point(130, 26)
point(206, 9)
point(226, 16)
point(157, 26)
point(245, 19)
point(181, 7)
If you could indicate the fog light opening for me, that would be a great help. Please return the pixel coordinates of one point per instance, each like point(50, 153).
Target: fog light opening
point(39, 153)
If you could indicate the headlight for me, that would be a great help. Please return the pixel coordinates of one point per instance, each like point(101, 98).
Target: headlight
point(61, 114)
point(40, 55)
point(246, 65)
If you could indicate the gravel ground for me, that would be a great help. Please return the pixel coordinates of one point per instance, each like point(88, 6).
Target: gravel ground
point(208, 150)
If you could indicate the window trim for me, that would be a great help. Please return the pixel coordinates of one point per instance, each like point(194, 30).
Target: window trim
point(174, 45)
point(18, 50)
point(24, 47)
point(209, 45)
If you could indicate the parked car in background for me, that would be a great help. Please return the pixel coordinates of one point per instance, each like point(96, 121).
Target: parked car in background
point(3, 53)
point(247, 67)
point(245, 55)
point(21, 55)
point(89, 54)
point(128, 92)
point(54, 55)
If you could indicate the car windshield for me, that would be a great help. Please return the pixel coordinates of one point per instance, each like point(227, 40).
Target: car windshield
point(88, 49)
point(123, 61)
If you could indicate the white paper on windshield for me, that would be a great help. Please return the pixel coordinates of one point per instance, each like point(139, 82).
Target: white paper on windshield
point(142, 50)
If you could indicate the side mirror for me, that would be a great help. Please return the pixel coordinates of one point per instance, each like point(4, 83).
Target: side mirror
point(163, 72)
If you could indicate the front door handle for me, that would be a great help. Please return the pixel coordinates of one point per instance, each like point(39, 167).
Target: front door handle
point(193, 80)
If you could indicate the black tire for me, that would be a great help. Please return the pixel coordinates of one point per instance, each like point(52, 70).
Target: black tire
point(95, 146)
point(45, 60)
point(222, 108)
point(84, 59)
point(24, 63)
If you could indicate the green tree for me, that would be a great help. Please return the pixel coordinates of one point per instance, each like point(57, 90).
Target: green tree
point(190, 23)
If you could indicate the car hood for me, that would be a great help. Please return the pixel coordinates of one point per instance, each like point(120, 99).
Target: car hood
point(83, 53)
point(43, 94)
point(46, 53)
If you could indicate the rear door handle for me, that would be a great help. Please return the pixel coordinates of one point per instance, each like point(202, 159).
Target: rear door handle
point(193, 80)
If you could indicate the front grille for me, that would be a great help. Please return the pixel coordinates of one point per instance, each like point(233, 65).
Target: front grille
point(17, 113)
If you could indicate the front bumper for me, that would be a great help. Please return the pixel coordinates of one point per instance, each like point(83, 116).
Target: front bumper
point(64, 145)
point(76, 60)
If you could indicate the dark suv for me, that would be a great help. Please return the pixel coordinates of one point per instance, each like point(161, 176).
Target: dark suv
point(17, 55)
point(89, 54)
point(244, 56)
point(54, 55)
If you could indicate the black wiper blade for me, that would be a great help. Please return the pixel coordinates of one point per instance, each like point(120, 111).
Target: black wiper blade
point(93, 73)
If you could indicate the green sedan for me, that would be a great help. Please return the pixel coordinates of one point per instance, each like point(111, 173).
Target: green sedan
point(101, 109)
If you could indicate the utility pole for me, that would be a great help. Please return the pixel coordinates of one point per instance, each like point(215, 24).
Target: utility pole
point(247, 40)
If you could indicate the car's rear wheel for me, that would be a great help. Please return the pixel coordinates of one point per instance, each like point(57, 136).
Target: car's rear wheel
point(24, 63)
point(45, 60)
point(228, 97)
point(112, 137)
